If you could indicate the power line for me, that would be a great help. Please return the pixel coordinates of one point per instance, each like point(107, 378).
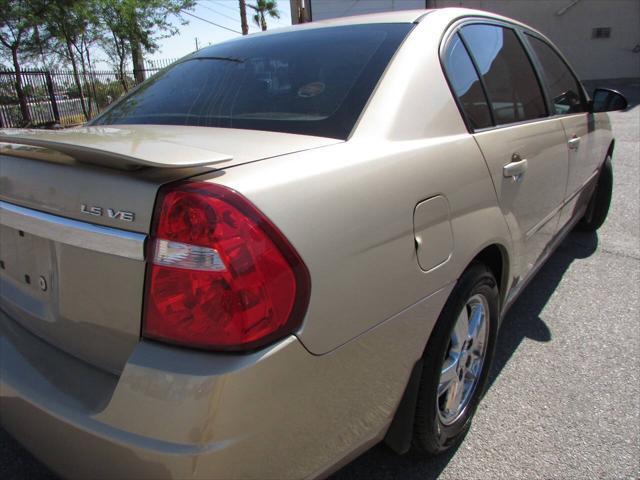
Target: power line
point(223, 5)
point(219, 3)
point(212, 23)
point(220, 13)
point(236, 10)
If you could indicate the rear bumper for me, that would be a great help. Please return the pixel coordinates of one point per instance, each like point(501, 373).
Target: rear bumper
point(173, 413)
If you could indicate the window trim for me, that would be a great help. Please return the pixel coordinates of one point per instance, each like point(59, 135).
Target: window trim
point(455, 27)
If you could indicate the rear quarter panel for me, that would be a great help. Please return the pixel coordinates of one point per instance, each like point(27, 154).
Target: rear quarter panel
point(348, 208)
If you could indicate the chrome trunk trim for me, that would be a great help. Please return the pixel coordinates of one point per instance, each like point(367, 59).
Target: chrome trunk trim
point(73, 232)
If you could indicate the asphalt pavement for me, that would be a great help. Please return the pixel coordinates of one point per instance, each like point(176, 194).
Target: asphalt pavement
point(564, 394)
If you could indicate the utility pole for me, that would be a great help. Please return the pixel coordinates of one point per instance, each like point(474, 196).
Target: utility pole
point(243, 17)
point(197, 44)
point(300, 11)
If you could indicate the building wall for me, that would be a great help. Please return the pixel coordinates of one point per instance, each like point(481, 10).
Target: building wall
point(568, 23)
point(324, 9)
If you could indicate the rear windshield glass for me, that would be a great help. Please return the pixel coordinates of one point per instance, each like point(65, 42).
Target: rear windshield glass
point(309, 81)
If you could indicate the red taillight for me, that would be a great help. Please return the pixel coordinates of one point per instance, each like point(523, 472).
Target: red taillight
point(220, 275)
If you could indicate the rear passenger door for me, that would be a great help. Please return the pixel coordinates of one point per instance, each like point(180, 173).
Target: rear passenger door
point(568, 102)
point(525, 150)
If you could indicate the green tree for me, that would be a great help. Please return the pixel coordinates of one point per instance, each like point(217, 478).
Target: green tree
point(18, 19)
point(115, 42)
point(262, 9)
point(140, 24)
point(69, 31)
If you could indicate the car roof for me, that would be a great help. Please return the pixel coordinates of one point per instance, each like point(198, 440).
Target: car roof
point(410, 16)
point(447, 14)
point(397, 16)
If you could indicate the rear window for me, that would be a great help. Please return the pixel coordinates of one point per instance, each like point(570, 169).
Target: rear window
point(309, 81)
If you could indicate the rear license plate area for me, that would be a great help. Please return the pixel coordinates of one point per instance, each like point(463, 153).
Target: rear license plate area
point(26, 273)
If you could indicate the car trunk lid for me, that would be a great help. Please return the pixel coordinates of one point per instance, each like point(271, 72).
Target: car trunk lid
point(75, 209)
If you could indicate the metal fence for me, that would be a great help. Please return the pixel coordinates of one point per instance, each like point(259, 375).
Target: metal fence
point(59, 98)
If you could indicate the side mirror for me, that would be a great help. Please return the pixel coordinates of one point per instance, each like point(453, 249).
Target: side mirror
point(607, 100)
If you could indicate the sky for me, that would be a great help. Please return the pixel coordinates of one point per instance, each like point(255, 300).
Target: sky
point(223, 12)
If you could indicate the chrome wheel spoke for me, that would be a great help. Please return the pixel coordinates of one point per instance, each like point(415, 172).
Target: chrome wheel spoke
point(461, 329)
point(470, 374)
point(448, 374)
point(475, 355)
point(477, 320)
point(454, 397)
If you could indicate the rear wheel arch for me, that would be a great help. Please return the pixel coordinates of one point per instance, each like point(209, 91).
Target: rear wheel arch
point(598, 207)
point(435, 430)
point(496, 258)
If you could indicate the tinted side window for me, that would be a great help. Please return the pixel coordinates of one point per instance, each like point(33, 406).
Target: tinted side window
point(466, 84)
point(508, 75)
point(562, 86)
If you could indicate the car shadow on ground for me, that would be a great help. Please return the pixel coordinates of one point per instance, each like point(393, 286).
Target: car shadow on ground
point(523, 321)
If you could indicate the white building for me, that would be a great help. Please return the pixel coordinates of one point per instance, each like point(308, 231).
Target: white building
point(601, 38)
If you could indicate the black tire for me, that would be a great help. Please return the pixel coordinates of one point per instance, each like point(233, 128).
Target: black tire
point(598, 207)
point(430, 434)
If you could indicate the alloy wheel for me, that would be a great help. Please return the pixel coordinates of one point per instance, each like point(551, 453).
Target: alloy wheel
point(464, 360)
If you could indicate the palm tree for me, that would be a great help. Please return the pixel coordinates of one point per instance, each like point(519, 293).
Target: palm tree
point(263, 8)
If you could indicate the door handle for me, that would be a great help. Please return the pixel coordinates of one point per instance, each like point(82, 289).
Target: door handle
point(573, 143)
point(516, 168)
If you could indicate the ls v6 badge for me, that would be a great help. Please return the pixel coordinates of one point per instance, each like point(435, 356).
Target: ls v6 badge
point(110, 212)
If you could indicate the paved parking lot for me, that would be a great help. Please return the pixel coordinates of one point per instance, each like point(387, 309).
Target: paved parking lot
point(564, 398)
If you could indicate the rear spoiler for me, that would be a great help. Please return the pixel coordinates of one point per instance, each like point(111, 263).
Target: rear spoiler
point(114, 151)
